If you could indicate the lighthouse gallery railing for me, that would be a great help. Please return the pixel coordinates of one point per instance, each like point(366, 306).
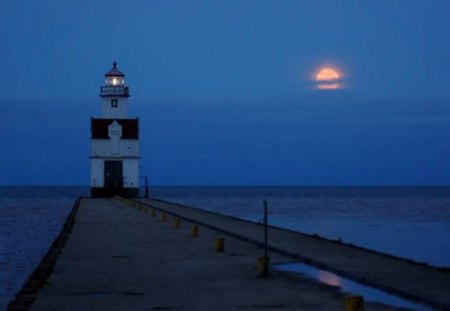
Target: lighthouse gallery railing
point(119, 90)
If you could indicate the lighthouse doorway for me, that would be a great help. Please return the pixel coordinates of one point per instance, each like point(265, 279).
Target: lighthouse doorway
point(113, 177)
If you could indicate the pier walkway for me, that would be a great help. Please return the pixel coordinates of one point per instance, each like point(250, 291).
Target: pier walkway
point(121, 258)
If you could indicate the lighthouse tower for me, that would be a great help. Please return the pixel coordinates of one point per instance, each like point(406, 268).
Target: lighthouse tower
point(114, 141)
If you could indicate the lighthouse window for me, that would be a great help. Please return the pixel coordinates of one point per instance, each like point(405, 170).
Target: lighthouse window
point(114, 103)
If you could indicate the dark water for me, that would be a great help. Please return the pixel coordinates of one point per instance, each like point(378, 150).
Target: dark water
point(412, 222)
point(30, 219)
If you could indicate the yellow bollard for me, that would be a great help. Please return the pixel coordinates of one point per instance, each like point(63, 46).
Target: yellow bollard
point(353, 303)
point(263, 264)
point(153, 213)
point(194, 231)
point(176, 223)
point(163, 217)
point(145, 209)
point(219, 245)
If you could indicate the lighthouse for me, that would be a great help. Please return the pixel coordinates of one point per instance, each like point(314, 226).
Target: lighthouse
point(114, 153)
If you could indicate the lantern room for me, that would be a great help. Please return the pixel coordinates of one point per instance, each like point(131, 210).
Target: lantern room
point(114, 77)
point(114, 83)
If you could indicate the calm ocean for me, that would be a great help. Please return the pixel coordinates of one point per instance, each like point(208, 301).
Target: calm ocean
point(411, 222)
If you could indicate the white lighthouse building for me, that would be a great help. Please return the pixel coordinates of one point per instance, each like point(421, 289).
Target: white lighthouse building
point(114, 151)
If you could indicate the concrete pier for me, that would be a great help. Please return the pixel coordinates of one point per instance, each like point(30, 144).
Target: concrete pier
point(392, 274)
point(120, 257)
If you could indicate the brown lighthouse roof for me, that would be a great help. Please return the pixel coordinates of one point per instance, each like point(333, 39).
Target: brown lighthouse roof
point(114, 72)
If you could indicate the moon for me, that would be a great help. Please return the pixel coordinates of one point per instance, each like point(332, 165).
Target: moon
point(327, 74)
point(328, 79)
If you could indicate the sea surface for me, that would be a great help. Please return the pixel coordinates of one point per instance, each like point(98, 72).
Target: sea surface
point(410, 222)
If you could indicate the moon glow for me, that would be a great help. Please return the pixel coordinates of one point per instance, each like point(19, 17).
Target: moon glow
point(328, 79)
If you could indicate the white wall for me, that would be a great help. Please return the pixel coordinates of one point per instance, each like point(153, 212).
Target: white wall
point(103, 148)
point(121, 112)
point(127, 151)
point(131, 173)
point(97, 174)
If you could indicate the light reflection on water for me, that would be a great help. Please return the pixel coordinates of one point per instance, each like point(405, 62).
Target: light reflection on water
point(329, 278)
point(347, 286)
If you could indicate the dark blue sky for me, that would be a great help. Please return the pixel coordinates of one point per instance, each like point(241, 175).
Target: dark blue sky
point(224, 92)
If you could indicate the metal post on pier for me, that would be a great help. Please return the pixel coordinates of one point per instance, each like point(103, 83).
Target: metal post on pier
point(266, 258)
point(146, 186)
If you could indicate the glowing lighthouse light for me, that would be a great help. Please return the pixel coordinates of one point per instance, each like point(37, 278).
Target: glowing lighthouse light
point(115, 77)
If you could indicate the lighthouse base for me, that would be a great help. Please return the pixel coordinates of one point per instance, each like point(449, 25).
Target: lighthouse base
point(105, 192)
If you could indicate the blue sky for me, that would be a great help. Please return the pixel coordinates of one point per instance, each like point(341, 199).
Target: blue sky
point(224, 91)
